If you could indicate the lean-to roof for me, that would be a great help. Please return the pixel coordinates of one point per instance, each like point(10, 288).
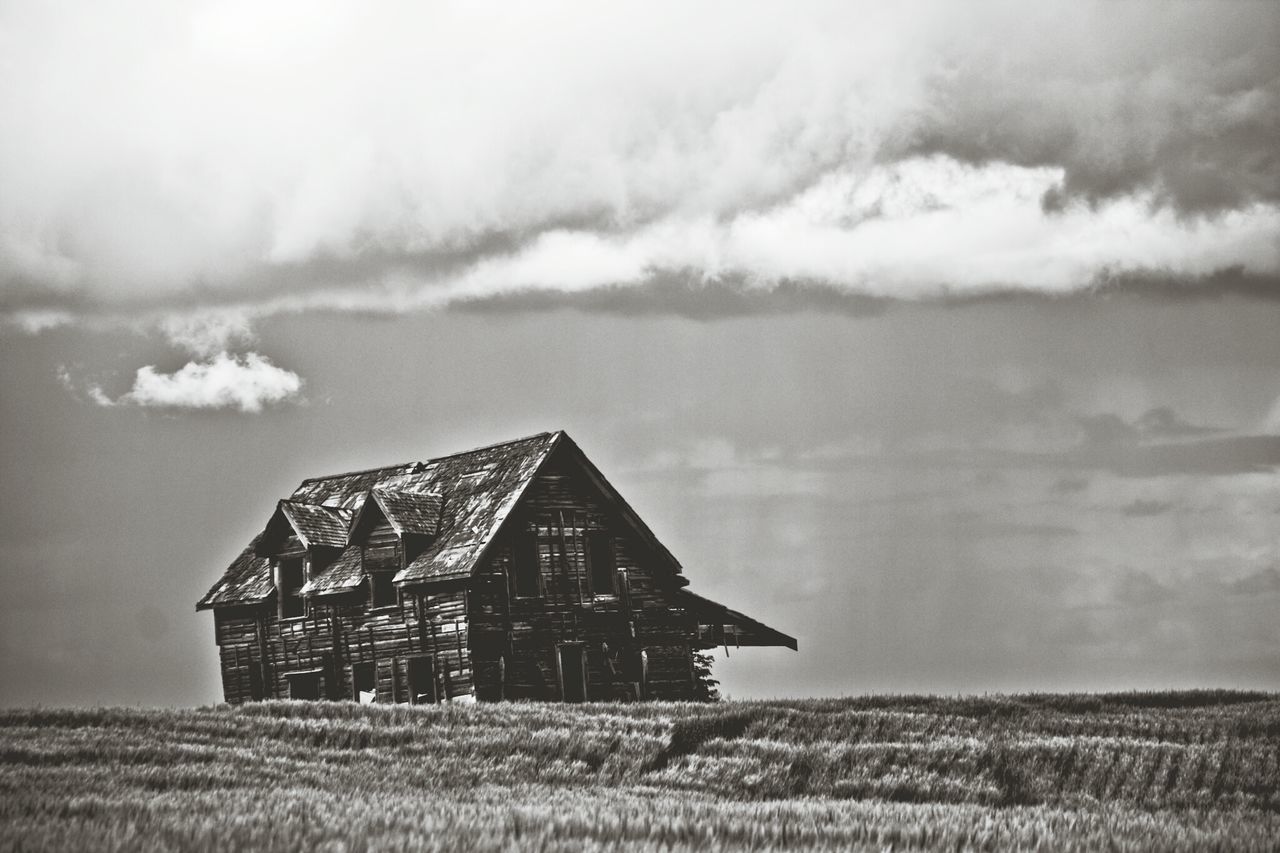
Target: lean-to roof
point(745, 630)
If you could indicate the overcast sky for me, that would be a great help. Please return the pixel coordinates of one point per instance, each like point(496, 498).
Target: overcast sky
point(943, 337)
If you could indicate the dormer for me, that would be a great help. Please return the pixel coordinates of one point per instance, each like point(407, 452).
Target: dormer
point(300, 541)
point(392, 528)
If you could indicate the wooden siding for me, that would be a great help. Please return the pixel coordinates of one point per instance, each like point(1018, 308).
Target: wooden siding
point(258, 648)
point(515, 639)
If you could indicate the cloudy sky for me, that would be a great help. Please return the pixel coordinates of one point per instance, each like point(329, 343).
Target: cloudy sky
point(943, 337)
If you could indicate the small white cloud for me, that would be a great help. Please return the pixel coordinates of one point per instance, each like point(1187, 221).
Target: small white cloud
point(224, 381)
point(90, 390)
point(97, 395)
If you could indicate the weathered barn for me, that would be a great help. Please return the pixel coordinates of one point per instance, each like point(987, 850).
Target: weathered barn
point(514, 571)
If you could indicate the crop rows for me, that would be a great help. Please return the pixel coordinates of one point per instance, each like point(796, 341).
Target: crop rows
point(1171, 771)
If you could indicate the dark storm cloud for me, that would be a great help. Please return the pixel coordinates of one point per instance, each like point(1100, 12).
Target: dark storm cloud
point(1145, 284)
point(689, 294)
point(1181, 102)
point(833, 157)
point(1233, 280)
point(686, 295)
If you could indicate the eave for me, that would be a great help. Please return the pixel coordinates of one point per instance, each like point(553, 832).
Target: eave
point(729, 626)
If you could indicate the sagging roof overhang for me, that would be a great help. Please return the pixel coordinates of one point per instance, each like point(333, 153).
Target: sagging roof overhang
point(720, 626)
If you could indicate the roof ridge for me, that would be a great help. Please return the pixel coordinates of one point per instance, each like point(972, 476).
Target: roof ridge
point(388, 490)
point(542, 434)
point(426, 462)
point(296, 502)
point(361, 471)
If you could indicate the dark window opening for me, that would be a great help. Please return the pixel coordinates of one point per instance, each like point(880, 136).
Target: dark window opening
point(422, 681)
point(256, 692)
point(304, 685)
point(601, 563)
point(289, 589)
point(364, 683)
point(524, 565)
point(573, 673)
point(382, 592)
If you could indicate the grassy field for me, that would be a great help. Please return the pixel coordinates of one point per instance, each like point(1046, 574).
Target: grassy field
point(1193, 771)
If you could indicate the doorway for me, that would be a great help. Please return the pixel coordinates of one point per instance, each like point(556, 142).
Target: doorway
point(364, 683)
point(573, 672)
point(422, 680)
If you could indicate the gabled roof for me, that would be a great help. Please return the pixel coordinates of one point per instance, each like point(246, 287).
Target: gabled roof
point(480, 487)
point(318, 525)
point(343, 575)
point(407, 512)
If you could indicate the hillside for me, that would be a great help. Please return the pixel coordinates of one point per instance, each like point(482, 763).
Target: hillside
point(1191, 771)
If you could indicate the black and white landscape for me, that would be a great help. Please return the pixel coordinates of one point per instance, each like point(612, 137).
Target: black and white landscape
point(941, 339)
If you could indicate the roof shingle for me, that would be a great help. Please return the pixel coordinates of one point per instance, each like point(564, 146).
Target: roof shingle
point(342, 575)
point(410, 512)
point(318, 525)
point(246, 581)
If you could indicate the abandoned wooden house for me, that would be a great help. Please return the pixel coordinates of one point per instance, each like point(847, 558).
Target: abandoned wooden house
point(514, 571)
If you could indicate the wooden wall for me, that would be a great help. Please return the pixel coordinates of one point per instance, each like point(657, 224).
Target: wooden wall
point(258, 649)
point(517, 637)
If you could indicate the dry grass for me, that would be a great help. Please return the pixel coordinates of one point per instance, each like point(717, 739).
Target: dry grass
point(1189, 771)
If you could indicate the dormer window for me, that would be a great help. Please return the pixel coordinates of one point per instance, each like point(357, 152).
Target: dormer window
point(391, 529)
point(383, 558)
point(289, 580)
point(382, 592)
